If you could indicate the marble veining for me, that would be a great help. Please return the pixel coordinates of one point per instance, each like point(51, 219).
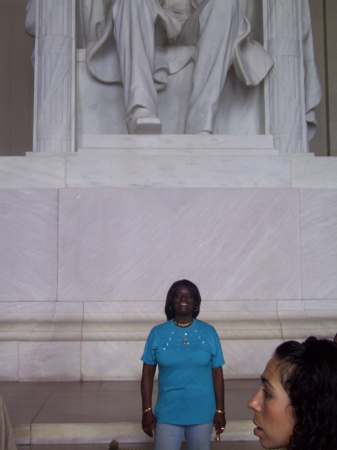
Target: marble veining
point(28, 245)
point(235, 244)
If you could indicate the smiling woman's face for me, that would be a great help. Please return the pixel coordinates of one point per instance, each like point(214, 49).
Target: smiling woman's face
point(183, 301)
point(274, 417)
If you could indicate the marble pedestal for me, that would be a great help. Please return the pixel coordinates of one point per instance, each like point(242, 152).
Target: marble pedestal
point(91, 241)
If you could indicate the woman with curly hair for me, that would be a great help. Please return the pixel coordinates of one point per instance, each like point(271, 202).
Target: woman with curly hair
point(296, 404)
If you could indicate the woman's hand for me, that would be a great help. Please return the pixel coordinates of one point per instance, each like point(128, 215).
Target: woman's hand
point(219, 422)
point(149, 423)
point(149, 419)
point(219, 390)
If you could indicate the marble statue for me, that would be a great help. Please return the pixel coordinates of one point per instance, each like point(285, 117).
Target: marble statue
point(203, 60)
point(30, 17)
point(145, 34)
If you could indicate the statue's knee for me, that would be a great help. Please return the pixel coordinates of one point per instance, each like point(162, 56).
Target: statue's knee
point(224, 6)
point(134, 4)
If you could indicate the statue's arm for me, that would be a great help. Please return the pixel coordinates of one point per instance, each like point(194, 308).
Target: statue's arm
point(30, 17)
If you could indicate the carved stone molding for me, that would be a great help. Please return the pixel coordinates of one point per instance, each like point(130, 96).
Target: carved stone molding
point(54, 110)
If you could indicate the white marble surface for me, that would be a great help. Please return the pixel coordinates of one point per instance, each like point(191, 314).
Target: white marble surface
point(85, 271)
point(41, 321)
point(319, 243)
point(118, 360)
point(131, 433)
point(46, 361)
point(53, 24)
point(191, 171)
point(247, 356)
point(9, 356)
point(309, 173)
point(220, 161)
point(82, 433)
point(235, 245)
point(110, 336)
point(19, 172)
point(121, 360)
point(178, 161)
point(178, 144)
point(307, 318)
point(95, 412)
point(132, 321)
point(28, 245)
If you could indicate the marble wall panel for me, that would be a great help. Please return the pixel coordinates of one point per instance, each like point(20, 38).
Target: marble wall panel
point(319, 243)
point(247, 358)
point(28, 245)
point(316, 172)
point(112, 360)
point(54, 361)
point(301, 319)
point(114, 321)
point(170, 171)
point(249, 319)
point(41, 321)
point(9, 357)
point(32, 172)
point(130, 245)
point(244, 358)
point(153, 311)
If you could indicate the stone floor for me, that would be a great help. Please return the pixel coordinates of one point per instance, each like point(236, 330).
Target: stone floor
point(238, 445)
point(88, 415)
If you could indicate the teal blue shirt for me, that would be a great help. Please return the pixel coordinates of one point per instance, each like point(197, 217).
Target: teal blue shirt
point(185, 381)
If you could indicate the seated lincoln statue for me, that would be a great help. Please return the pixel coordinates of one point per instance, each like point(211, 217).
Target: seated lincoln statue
point(177, 67)
point(146, 34)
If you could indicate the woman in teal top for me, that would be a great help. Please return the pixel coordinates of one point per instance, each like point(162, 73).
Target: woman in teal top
point(190, 381)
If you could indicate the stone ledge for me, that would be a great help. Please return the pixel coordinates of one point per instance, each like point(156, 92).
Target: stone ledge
point(102, 433)
point(101, 321)
point(212, 167)
point(132, 332)
point(175, 144)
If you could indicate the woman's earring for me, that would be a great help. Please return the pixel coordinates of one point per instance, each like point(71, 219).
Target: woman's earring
point(195, 309)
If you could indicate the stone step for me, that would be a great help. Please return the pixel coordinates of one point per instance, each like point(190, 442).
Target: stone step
point(83, 413)
point(178, 145)
point(223, 445)
point(128, 433)
point(107, 166)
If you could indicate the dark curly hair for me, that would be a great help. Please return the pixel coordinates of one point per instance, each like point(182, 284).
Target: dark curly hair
point(308, 373)
point(169, 311)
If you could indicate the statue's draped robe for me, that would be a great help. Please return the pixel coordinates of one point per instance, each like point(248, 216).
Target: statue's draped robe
point(98, 37)
point(251, 61)
point(95, 32)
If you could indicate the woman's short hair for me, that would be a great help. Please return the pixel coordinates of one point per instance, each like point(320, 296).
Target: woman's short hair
point(308, 373)
point(169, 311)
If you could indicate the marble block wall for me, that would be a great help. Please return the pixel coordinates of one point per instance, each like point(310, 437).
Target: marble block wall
point(85, 271)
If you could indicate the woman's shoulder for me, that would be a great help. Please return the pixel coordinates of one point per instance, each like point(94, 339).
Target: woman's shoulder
point(161, 326)
point(204, 325)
